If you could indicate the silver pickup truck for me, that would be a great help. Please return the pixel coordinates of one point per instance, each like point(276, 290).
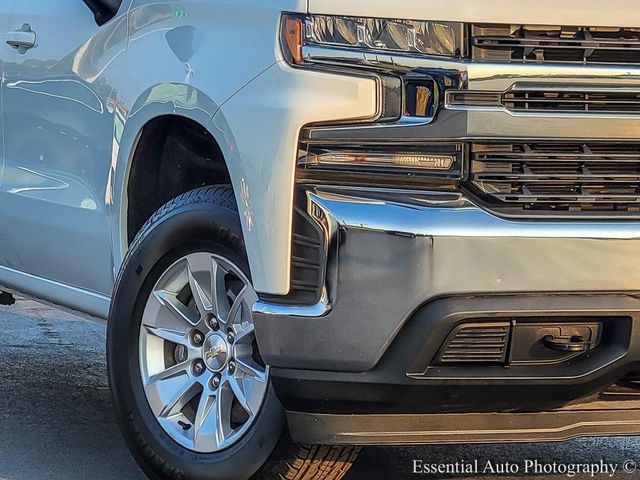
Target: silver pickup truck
point(318, 224)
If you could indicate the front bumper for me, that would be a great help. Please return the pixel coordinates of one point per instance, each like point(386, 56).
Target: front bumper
point(391, 252)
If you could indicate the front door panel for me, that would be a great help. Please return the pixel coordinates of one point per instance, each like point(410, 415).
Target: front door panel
point(59, 125)
point(6, 10)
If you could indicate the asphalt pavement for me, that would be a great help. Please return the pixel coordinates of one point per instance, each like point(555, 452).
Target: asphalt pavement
point(56, 419)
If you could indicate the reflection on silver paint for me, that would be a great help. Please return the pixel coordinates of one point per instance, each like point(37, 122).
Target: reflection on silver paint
point(71, 135)
point(245, 205)
point(39, 185)
point(52, 88)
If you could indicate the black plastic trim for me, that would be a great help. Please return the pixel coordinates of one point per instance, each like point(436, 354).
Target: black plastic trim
point(403, 381)
point(308, 260)
point(558, 425)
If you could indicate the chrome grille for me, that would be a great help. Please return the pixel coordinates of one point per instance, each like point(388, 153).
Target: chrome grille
point(566, 100)
point(558, 177)
point(605, 45)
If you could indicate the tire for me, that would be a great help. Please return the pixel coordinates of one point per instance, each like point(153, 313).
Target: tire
point(204, 221)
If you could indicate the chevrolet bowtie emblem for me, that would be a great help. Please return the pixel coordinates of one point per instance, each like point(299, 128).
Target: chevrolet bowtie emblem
point(213, 352)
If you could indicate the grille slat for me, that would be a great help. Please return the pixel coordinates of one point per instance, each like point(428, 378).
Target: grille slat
point(592, 158)
point(552, 197)
point(575, 178)
point(572, 101)
point(530, 43)
point(555, 179)
point(502, 42)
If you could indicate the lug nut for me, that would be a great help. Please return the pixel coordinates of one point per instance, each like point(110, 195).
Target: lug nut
point(215, 381)
point(231, 337)
point(232, 366)
point(212, 321)
point(198, 338)
point(198, 367)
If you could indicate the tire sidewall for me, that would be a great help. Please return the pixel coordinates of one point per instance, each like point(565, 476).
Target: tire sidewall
point(185, 229)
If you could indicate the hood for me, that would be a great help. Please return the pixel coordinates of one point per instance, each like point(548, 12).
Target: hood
point(613, 13)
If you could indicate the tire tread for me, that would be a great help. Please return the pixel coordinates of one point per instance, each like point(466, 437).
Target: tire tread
point(220, 195)
point(309, 462)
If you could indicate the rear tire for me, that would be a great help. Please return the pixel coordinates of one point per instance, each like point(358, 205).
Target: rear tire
point(202, 223)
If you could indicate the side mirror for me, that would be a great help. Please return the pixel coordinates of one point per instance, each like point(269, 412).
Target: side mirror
point(103, 10)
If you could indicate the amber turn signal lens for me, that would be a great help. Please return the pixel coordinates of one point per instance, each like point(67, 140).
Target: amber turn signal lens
point(293, 37)
point(423, 98)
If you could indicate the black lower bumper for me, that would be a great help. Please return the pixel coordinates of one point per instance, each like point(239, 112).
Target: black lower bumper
point(407, 381)
point(618, 418)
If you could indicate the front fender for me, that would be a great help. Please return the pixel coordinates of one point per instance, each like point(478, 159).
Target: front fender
point(260, 126)
point(161, 99)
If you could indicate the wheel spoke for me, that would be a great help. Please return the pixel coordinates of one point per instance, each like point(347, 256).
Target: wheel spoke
point(205, 435)
point(224, 402)
point(174, 336)
point(200, 271)
point(236, 313)
point(170, 372)
point(178, 309)
point(249, 366)
point(238, 391)
point(219, 292)
point(181, 396)
point(244, 333)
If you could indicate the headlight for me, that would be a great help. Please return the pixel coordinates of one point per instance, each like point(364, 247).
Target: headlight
point(407, 36)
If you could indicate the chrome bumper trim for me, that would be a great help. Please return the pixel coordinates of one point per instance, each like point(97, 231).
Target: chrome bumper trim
point(320, 309)
point(496, 254)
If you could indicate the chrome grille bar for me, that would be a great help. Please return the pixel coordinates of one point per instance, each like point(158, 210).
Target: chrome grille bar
point(556, 44)
point(558, 177)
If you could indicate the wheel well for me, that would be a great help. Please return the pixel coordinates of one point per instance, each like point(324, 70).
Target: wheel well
point(174, 155)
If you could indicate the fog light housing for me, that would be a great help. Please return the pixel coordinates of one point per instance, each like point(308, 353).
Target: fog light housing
point(425, 160)
point(376, 159)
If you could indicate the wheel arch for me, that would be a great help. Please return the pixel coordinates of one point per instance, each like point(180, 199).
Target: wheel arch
point(162, 103)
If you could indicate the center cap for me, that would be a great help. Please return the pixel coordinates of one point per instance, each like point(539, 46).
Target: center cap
point(215, 353)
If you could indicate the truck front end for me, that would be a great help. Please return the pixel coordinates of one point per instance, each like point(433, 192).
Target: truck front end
point(473, 247)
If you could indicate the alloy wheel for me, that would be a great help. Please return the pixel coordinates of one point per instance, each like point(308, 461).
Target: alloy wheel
point(201, 370)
